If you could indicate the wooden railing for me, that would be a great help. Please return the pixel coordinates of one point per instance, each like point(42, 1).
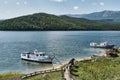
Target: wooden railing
point(69, 65)
point(39, 72)
point(32, 74)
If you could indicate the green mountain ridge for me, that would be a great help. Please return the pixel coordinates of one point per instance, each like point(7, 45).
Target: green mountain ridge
point(44, 22)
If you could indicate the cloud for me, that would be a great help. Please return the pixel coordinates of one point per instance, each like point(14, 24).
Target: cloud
point(17, 3)
point(99, 3)
point(58, 0)
point(102, 3)
point(5, 2)
point(25, 2)
point(82, 0)
point(75, 7)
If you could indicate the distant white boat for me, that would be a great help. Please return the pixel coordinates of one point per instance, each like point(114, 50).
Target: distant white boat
point(101, 45)
point(36, 56)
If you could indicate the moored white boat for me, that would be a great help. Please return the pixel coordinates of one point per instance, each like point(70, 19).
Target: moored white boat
point(36, 56)
point(101, 45)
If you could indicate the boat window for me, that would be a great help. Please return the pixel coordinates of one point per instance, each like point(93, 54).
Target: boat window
point(37, 55)
point(40, 54)
point(23, 54)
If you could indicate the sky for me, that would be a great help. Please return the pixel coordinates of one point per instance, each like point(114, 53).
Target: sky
point(15, 8)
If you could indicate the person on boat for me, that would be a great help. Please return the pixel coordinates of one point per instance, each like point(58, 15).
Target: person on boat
point(28, 56)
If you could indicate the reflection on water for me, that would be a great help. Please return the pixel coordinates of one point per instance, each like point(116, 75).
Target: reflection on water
point(64, 44)
point(35, 66)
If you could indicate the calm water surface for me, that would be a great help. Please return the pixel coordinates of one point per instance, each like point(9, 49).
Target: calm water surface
point(64, 44)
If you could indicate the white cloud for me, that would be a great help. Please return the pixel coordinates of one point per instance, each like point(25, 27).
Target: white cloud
point(82, 0)
point(58, 0)
point(99, 3)
point(75, 7)
point(102, 3)
point(5, 2)
point(17, 3)
point(25, 2)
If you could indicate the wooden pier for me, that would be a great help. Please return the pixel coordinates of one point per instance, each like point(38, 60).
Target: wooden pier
point(66, 71)
point(33, 74)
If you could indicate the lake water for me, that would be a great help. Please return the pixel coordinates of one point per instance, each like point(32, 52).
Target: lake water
point(64, 44)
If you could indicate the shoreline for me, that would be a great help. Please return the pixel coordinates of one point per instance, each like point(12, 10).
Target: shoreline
point(56, 66)
point(102, 53)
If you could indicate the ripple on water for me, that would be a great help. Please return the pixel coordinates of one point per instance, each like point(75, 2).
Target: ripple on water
point(64, 44)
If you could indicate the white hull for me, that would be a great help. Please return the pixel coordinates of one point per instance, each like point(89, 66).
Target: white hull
point(36, 57)
point(101, 45)
point(39, 61)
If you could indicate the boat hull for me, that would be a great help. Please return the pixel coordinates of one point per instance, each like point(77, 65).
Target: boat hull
point(106, 47)
point(36, 56)
point(37, 61)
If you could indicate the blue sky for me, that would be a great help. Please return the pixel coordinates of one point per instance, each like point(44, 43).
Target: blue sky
point(14, 8)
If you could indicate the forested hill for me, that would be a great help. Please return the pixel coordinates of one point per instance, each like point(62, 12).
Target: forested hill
point(43, 21)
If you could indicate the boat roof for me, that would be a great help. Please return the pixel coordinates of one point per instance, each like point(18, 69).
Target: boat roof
point(38, 52)
point(34, 52)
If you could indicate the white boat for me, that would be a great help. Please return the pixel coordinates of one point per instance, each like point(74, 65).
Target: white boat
point(36, 56)
point(101, 45)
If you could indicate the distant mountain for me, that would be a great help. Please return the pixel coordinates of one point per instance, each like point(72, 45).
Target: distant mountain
point(44, 22)
point(113, 15)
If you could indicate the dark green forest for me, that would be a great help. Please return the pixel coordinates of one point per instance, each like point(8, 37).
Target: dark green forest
point(45, 22)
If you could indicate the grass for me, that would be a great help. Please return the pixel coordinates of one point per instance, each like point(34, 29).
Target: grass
point(104, 68)
point(47, 76)
point(9, 75)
